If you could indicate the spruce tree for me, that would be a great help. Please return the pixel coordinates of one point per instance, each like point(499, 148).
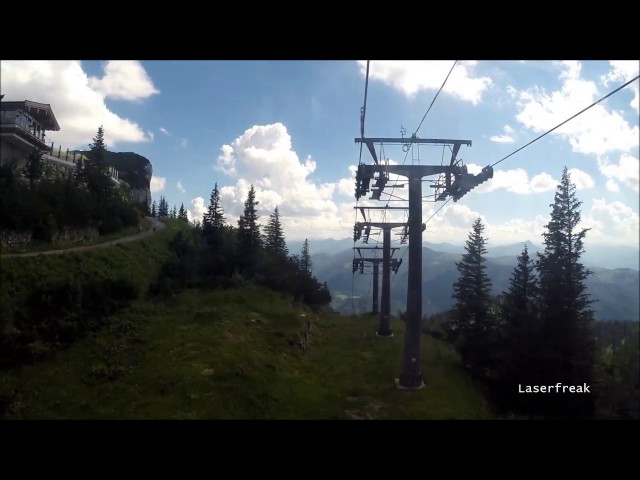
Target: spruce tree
point(182, 213)
point(249, 241)
point(472, 323)
point(154, 209)
point(174, 212)
point(567, 334)
point(521, 333)
point(163, 210)
point(213, 220)
point(274, 241)
point(305, 258)
point(97, 172)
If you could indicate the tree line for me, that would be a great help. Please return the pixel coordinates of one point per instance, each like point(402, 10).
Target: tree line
point(39, 203)
point(541, 331)
point(216, 253)
point(161, 210)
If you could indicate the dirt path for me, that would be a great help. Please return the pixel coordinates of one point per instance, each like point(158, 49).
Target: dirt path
point(131, 238)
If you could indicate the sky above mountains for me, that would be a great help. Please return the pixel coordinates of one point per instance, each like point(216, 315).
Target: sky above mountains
point(288, 127)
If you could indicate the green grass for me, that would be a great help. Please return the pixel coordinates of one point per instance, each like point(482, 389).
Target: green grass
point(41, 247)
point(139, 261)
point(234, 354)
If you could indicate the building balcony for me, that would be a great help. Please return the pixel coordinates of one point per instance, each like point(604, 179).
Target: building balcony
point(12, 126)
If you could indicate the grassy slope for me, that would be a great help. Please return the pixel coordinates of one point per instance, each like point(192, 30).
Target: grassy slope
point(42, 247)
point(139, 261)
point(234, 354)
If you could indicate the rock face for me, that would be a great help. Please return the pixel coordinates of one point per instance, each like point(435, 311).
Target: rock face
point(136, 171)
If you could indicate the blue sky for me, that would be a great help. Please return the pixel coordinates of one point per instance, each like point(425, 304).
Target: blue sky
point(288, 128)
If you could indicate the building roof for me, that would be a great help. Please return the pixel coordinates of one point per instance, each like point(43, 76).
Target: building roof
point(40, 111)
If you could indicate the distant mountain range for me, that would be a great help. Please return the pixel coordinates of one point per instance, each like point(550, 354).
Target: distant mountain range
point(597, 256)
point(616, 290)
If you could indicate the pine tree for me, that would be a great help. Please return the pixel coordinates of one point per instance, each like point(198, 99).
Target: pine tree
point(567, 332)
point(472, 320)
point(182, 213)
point(249, 241)
point(98, 149)
point(34, 168)
point(274, 241)
point(97, 171)
point(163, 207)
point(213, 220)
point(521, 333)
point(305, 258)
point(154, 209)
point(174, 212)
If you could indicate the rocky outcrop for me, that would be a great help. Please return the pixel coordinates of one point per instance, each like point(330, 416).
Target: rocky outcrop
point(136, 171)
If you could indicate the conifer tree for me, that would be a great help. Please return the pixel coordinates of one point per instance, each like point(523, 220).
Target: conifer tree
point(213, 220)
point(472, 323)
point(274, 240)
point(305, 258)
point(182, 213)
point(249, 241)
point(154, 209)
point(567, 334)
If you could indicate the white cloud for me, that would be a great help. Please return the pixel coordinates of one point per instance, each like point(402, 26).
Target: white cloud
point(79, 108)
point(157, 184)
point(596, 131)
point(621, 72)
point(196, 210)
point(124, 79)
point(542, 182)
point(263, 156)
point(612, 186)
point(151, 135)
point(165, 131)
point(183, 142)
point(625, 171)
point(501, 139)
point(515, 181)
point(180, 187)
point(454, 223)
point(613, 223)
point(581, 179)
point(505, 138)
point(516, 230)
point(458, 215)
point(412, 76)
point(346, 187)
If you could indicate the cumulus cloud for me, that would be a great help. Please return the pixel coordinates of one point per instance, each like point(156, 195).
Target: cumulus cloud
point(626, 171)
point(614, 223)
point(180, 187)
point(505, 137)
point(581, 179)
point(157, 184)
point(412, 76)
point(263, 156)
point(596, 131)
point(78, 103)
point(514, 181)
point(612, 186)
point(196, 209)
point(124, 79)
point(460, 215)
